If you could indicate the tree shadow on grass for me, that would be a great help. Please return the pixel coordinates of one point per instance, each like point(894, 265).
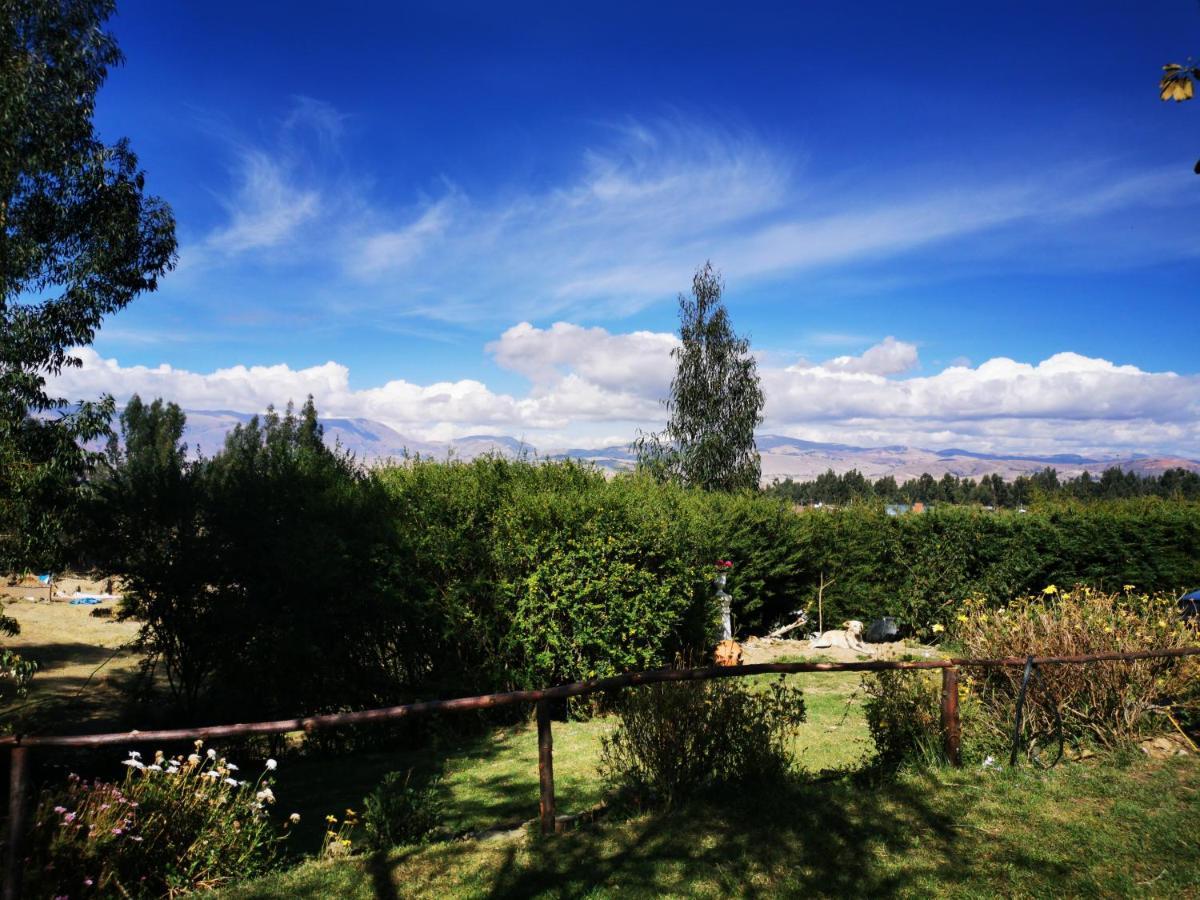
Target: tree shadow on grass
point(844, 838)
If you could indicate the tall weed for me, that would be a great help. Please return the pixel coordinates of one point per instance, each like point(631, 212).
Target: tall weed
point(1110, 703)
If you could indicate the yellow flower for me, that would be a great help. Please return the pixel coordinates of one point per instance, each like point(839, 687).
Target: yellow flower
point(331, 819)
point(938, 628)
point(1128, 587)
point(962, 618)
point(1052, 589)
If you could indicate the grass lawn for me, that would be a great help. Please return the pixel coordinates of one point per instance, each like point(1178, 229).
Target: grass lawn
point(1124, 827)
point(491, 781)
point(1108, 829)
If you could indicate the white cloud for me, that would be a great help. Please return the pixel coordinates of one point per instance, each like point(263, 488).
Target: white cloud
point(639, 362)
point(587, 383)
point(889, 357)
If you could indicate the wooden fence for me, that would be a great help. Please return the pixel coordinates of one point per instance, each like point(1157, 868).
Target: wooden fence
point(20, 746)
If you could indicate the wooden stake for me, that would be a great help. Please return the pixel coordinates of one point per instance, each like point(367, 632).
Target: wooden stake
point(545, 766)
point(14, 851)
point(951, 727)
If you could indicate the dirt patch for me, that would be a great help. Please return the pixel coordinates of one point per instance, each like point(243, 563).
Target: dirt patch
point(765, 650)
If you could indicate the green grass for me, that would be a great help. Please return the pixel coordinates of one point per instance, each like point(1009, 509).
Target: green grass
point(491, 781)
point(1104, 830)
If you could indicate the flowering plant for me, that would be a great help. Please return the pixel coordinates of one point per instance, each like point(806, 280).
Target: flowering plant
point(724, 565)
point(172, 825)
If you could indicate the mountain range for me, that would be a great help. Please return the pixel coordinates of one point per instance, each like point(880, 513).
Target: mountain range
point(782, 457)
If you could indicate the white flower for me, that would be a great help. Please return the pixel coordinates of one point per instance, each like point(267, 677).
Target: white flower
point(231, 767)
point(294, 818)
point(174, 770)
point(212, 754)
point(154, 768)
point(989, 763)
point(133, 754)
point(133, 764)
point(266, 794)
point(271, 764)
point(193, 758)
point(232, 782)
point(211, 774)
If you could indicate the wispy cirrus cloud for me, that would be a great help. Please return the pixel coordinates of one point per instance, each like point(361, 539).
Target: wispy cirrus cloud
point(643, 205)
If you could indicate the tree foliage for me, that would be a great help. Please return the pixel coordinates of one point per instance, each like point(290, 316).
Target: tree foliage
point(715, 403)
point(1178, 84)
point(1114, 483)
point(79, 239)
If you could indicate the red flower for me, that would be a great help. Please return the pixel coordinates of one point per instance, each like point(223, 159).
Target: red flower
point(724, 564)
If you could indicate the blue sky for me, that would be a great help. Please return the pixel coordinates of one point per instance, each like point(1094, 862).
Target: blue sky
point(416, 193)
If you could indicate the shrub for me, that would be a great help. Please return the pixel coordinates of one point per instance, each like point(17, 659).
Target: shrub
point(675, 740)
point(597, 579)
point(401, 810)
point(904, 716)
point(170, 827)
point(1111, 703)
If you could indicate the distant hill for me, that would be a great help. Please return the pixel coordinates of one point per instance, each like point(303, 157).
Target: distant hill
point(782, 457)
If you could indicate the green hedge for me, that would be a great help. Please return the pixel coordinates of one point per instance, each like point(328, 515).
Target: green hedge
point(278, 578)
point(918, 567)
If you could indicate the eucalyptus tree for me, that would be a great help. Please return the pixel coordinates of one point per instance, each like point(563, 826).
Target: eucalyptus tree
point(79, 239)
point(716, 400)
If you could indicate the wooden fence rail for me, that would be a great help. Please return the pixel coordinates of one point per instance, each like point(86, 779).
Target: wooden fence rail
point(20, 745)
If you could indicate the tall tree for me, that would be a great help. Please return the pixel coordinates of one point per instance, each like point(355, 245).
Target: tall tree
point(79, 239)
point(716, 401)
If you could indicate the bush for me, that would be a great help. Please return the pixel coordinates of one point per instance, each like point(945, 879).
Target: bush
point(401, 810)
point(1110, 703)
point(904, 716)
point(676, 740)
point(171, 826)
point(598, 578)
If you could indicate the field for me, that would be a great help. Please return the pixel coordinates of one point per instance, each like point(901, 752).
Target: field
point(82, 661)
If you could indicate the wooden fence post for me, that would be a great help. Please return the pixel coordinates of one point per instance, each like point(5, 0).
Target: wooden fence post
point(951, 728)
point(14, 851)
point(545, 766)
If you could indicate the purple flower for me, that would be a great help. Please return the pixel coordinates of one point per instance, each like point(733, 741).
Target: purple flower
point(69, 817)
point(60, 809)
point(118, 830)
